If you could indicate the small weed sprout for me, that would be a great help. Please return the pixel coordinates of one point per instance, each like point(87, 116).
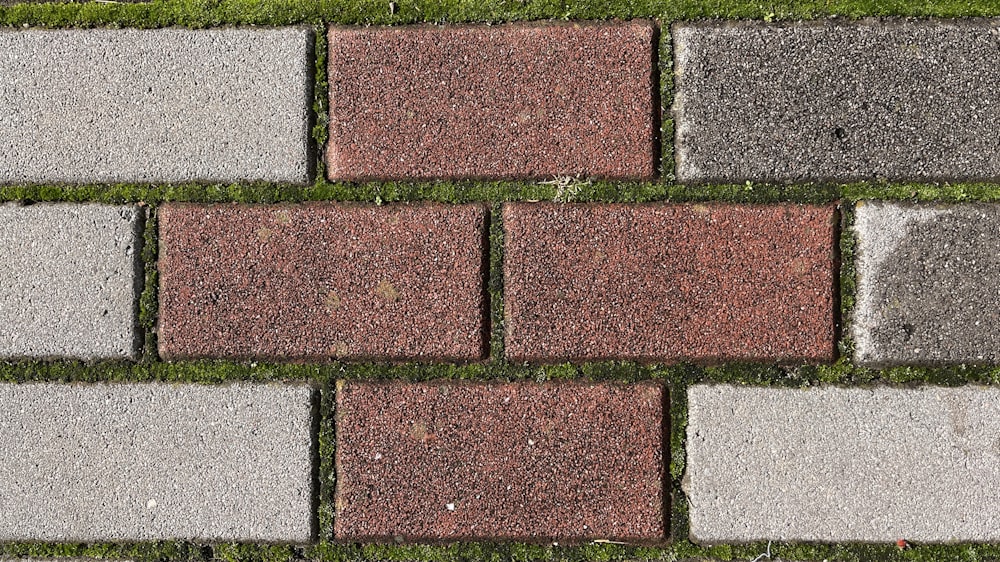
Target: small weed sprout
point(567, 187)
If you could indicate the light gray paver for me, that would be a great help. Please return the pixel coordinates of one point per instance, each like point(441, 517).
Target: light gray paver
point(139, 462)
point(69, 281)
point(166, 105)
point(843, 464)
point(928, 284)
point(900, 99)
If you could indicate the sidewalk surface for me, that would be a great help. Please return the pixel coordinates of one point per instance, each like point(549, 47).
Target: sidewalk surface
point(340, 280)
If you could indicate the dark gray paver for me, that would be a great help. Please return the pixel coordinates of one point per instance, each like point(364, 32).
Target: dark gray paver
point(900, 99)
point(928, 284)
point(843, 464)
point(69, 281)
point(139, 462)
point(165, 105)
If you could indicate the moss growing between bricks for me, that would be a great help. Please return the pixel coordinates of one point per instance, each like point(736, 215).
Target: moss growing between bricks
point(181, 552)
point(321, 103)
point(495, 282)
point(148, 303)
point(205, 13)
point(502, 191)
point(848, 278)
point(664, 72)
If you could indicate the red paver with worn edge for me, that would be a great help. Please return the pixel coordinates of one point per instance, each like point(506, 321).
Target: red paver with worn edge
point(322, 281)
point(517, 461)
point(524, 100)
point(705, 283)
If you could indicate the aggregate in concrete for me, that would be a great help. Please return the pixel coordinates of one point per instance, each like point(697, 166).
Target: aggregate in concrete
point(843, 464)
point(706, 283)
point(521, 461)
point(69, 281)
point(165, 105)
point(928, 286)
point(323, 281)
point(523, 100)
point(145, 462)
point(896, 99)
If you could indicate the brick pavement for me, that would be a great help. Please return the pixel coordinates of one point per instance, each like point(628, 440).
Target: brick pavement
point(182, 362)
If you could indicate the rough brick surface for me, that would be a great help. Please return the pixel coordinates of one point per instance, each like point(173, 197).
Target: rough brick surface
point(322, 281)
point(835, 464)
point(669, 282)
point(69, 281)
point(142, 462)
point(165, 105)
point(499, 461)
point(900, 99)
point(507, 101)
point(928, 291)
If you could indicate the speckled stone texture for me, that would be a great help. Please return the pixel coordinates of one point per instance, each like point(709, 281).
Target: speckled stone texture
point(526, 100)
point(928, 285)
point(322, 281)
point(154, 462)
point(70, 281)
point(843, 464)
point(897, 99)
point(155, 105)
point(512, 461)
point(705, 283)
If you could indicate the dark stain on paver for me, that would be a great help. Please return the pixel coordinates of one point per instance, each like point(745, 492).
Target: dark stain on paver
point(938, 293)
point(329, 281)
point(525, 100)
point(706, 283)
point(513, 461)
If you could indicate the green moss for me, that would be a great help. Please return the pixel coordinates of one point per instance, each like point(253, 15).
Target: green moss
point(326, 448)
point(665, 77)
point(159, 551)
point(495, 283)
point(205, 13)
point(502, 191)
point(251, 553)
point(148, 301)
point(847, 289)
point(321, 104)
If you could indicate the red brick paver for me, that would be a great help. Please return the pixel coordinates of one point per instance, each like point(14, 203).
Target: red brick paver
point(669, 282)
point(322, 281)
point(522, 461)
point(508, 101)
